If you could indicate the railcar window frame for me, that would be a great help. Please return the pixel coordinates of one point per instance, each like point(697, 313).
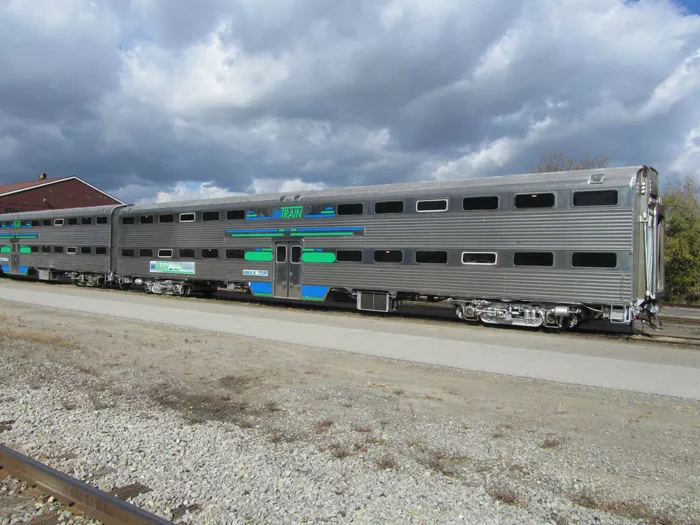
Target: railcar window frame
point(481, 198)
point(58, 249)
point(145, 253)
point(235, 215)
point(100, 250)
point(36, 223)
point(45, 249)
point(211, 253)
point(86, 221)
point(389, 204)
point(427, 254)
point(350, 208)
point(58, 222)
point(33, 248)
point(72, 221)
point(376, 252)
point(85, 250)
point(437, 210)
point(467, 263)
point(71, 250)
point(592, 193)
point(211, 215)
point(186, 253)
point(165, 216)
point(341, 258)
point(583, 256)
point(161, 253)
point(128, 220)
point(46, 222)
point(537, 196)
point(146, 219)
point(532, 255)
point(187, 213)
point(101, 220)
point(235, 253)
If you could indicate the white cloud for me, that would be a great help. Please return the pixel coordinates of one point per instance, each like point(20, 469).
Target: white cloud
point(283, 186)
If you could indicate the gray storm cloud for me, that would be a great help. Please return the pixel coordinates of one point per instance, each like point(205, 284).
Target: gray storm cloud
point(171, 99)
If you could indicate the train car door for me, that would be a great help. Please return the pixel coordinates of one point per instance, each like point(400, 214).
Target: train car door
point(14, 256)
point(287, 272)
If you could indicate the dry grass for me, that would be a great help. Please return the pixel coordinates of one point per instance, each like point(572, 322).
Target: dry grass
point(631, 509)
point(550, 442)
point(399, 391)
point(35, 336)
point(99, 402)
point(323, 425)
point(497, 434)
point(279, 436)
point(504, 495)
point(362, 428)
point(201, 406)
point(386, 462)
point(432, 397)
point(272, 406)
point(235, 383)
point(338, 451)
point(68, 404)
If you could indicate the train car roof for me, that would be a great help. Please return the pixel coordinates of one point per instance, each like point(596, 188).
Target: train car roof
point(89, 211)
point(576, 179)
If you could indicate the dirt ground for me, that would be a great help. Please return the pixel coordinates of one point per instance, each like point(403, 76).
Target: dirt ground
point(632, 447)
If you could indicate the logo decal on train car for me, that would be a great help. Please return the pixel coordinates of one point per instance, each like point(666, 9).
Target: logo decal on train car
point(173, 267)
point(256, 273)
point(16, 224)
point(290, 213)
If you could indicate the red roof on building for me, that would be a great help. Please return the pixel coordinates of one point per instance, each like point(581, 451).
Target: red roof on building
point(18, 186)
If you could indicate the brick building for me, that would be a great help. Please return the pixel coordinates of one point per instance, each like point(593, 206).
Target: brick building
point(48, 194)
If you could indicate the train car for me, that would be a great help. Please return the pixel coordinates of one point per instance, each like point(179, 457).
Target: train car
point(533, 250)
point(73, 243)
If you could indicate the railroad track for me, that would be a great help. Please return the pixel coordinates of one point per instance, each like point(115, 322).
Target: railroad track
point(109, 508)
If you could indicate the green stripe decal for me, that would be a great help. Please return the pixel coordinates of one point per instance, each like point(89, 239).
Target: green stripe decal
point(5, 249)
point(257, 234)
point(25, 249)
point(318, 257)
point(324, 234)
point(258, 256)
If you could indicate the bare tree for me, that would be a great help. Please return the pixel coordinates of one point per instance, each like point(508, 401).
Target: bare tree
point(557, 162)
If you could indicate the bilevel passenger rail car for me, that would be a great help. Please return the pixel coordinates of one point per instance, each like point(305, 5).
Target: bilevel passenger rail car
point(552, 249)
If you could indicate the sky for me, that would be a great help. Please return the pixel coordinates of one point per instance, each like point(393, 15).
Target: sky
point(176, 99)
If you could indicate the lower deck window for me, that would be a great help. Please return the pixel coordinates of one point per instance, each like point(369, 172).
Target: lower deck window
point(71, 250)
point(388, 256)
point(46, 249)
point(425, 257)
point(165, 253)
point(187, 252)
point(145, 252)
point(58, 249)
point(127, 252)
point(478, 258)
point(210, 254)
point(85, 250)
point(533, 259)
point(34, 249)
point(101, 250)
point(348, 256)
point(235, 254)
point(594, 260)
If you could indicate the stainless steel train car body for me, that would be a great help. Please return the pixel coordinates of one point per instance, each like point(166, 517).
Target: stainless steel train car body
point(523, 249)
point(71, 241)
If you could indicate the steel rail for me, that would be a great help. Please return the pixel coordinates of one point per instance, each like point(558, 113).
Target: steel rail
point(81, 496)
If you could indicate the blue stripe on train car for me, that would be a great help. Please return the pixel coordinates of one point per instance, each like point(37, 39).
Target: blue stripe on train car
point(313, 293)
point(6, 268)
point(23, 270)
point(261, 289)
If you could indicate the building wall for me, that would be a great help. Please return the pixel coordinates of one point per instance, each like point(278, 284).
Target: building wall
point(66, 194)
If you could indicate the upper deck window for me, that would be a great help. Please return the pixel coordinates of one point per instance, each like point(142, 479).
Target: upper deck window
point(480, 203)
point(595, 198)
point(351, 209)
point(535, 200)
point(235, 215)
point(388, 207)
point(210, 216)
point(167, 217)
point(187, 217)
point(146, 219)
point(431, 205)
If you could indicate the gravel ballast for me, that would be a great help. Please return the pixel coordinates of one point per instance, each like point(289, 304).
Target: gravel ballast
point(244, 431)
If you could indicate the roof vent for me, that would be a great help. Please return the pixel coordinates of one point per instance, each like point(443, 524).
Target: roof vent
point(596, 178)
point(282, 198)
point(296, 198)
